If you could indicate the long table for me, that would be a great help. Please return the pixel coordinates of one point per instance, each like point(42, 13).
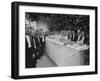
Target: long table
point(65, 55)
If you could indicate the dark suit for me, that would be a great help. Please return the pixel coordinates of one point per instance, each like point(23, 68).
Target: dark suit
point(30, 52)
point(40, 44)
point(86, 41)
point(74, 38)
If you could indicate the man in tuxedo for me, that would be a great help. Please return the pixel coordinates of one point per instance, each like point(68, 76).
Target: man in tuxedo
point(40, 43)
point(86, 40)
point(69, 35)
point(74, 37)
point(30, 49)
point(82, 38)
point(78, 34)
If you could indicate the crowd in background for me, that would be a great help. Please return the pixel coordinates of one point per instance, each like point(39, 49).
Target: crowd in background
point(65, 23)
point(72, 27)
point(79, 36)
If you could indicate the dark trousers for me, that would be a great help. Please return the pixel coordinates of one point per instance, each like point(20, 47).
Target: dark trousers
point(40, 50)
point(30, 62)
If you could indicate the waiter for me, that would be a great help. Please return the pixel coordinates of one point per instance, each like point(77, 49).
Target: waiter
point(79, 35)
point(30, 49)
point(40, 43)
point(74, 37)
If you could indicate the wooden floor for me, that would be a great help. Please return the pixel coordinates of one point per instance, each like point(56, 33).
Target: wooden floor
point(45, 61)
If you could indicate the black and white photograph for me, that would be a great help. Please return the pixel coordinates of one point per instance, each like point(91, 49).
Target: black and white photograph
point(51, 40)
point(54, 40)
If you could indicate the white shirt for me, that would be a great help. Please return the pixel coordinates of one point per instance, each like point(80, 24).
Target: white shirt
point(43, 38)
point(38, 38)
point(79, 38)
point(83, 39)
point(28, 41)
point(34, 43)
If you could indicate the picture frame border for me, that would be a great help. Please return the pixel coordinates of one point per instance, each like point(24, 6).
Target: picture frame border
point(15, 39)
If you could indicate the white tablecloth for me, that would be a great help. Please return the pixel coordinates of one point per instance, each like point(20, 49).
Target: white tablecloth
point(65, 55)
